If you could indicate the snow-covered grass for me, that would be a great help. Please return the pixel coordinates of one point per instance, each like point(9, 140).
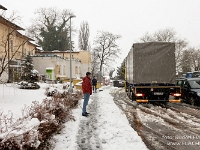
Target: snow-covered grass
point(13, 99)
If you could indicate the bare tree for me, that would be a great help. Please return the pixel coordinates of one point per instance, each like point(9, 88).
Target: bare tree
point(181, 46)
point(146, 38)
point(111, 72)
point(14, 17)
point(194, 58)
point(190, 60)
point(84, 34)
point(95, 63)
point(166, 35)
point(186, 61)
point(8, 49)
point(106, 47)
point(9, 52)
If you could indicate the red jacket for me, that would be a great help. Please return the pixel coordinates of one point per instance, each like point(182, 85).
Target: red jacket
point(87, 85)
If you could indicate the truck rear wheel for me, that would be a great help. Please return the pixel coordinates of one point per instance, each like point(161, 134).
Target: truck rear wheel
point(133, 98)
point(129, 92)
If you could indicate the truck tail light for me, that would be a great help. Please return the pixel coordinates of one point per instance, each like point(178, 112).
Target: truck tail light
point(174, 100)
point(140, 94)
point(176, 94)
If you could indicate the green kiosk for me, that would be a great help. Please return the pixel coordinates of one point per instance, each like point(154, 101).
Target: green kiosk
point(50, 75)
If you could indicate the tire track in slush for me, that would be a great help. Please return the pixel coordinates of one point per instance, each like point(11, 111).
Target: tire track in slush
point(156, 134)
point(87, 138)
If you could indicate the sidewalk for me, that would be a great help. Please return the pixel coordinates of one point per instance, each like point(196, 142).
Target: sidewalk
point(106, 128)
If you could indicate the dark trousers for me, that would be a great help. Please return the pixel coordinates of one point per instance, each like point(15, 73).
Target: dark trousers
point(94, 88)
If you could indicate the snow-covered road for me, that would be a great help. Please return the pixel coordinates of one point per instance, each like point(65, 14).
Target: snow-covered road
point(106, 128)
point(174, 126)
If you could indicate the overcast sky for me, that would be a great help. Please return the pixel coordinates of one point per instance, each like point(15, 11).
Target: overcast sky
point(129, 18)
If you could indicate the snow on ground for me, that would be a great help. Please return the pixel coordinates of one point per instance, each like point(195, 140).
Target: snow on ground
point(105, 128)
point(13, 99)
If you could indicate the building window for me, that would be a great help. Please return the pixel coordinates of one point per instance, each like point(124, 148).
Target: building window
point(63, 70)
point(11, 45)
point(24, 52)
point(58, 69)
point(76, 70)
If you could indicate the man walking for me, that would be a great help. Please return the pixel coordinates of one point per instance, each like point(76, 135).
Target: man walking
point(94, 84)
point(87, 91)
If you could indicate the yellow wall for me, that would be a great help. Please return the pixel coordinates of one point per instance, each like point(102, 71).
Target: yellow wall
point(83, 56)
point(19, 47)
point(78, 69)
point(30, 48)
point(17, 43)
point(4, 30)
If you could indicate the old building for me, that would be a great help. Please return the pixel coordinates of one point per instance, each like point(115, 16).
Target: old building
point(14, 47)
point(54, 66)
point(81, 61)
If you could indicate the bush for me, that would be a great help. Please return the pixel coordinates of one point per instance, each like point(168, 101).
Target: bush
point(27, 85)
point(39, 123)
point(60, 90)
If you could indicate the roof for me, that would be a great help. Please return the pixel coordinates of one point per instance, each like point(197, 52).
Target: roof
point(33, 44)
point(10, 24)
point(23, 36)
point(2, 7)
point(189, 79)
point(49, 68)
point(56, 52)
point(56, 56)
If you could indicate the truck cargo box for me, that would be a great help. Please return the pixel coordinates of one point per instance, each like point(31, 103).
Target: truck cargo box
point(151, 62)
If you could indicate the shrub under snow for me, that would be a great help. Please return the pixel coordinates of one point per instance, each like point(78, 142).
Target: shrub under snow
point(39, 122)
point(28, 85)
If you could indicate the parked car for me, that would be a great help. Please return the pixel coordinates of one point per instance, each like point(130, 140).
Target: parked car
point(196, 74)
point(118, 83)
point(190, 88)
point(121, 83)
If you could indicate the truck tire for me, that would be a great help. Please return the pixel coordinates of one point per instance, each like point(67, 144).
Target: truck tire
point(133, 98)
point(129, 92)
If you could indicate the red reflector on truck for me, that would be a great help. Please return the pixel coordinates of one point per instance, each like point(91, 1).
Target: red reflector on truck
point(174, 101)
point(141, 100)
point(176, 94)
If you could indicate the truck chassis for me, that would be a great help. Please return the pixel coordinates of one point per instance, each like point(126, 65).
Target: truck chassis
point(154, 92)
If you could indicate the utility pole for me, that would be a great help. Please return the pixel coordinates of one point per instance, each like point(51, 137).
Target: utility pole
point(70, 88)
point(8, 57)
